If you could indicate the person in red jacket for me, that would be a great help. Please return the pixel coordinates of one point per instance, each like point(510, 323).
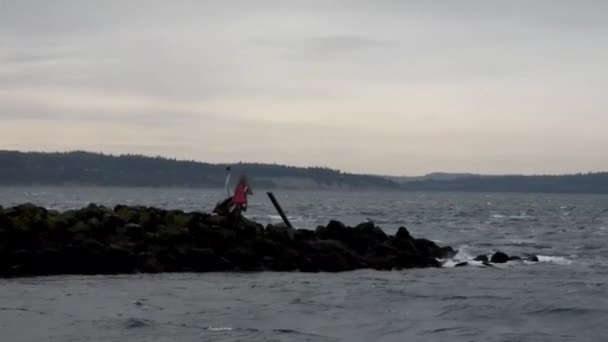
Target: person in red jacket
point(239, 200)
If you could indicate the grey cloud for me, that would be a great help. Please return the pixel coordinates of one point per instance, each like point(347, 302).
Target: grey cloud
point(33, 57)
point(327, 47)
point(379, 61)
point(151, 118)
point(137, 119)
point(344, 42)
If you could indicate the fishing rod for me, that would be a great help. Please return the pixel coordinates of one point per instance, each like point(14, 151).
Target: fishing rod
point(227, 184)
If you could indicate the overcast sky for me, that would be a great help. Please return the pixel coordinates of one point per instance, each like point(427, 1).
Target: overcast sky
point(390, 87)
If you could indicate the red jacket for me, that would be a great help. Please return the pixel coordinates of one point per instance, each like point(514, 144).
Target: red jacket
point(240, 195)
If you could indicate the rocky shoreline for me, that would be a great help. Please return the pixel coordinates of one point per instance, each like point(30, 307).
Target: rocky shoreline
point(98, 240)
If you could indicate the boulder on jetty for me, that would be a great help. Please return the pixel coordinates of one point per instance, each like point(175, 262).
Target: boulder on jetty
point(127, 239)
point(499, 258)
point(502, 258)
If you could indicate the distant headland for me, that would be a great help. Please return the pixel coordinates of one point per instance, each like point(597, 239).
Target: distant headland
point(97, 169)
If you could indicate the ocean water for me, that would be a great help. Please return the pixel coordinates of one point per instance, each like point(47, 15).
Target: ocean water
point(564, 297)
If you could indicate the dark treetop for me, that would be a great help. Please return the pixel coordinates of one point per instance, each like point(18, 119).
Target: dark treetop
point(85, 168)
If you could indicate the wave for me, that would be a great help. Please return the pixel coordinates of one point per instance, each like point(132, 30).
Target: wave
point(277, 218)
point(22, 309)
point(219, 329)
point(258, 331)
point(554, 260)
point(524, 243)
point(562, 310)
point(134, 323)
point(297, 332)
point(372, 212)
point(464, 255)
point(522, 216)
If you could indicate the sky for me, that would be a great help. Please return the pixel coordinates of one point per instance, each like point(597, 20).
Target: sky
point(384, 87)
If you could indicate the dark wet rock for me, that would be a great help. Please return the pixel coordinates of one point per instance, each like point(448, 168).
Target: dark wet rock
point(406, 245)
point(304, 235)
point(275, 254)
point(446, 252)
point(531, 258)
point(499, 258)
point(132, 230)
point(281, 232)
point(408, 260)
point(462, 264)
point(245, 259)
point(385, 249)
point(128, 239)
point(217, 221)
point(403, 234)
point(482, 258)
point(249, 227)
point(372, 232)
point(430, 249)
point(173, 234)
point(335, 230)
point(360, 238)
point(331, 256)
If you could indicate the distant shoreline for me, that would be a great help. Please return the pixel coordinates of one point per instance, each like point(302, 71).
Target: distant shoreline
point(263, 191)
point(85, 169)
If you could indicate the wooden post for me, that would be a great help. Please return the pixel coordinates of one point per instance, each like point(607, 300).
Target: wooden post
point(278, 208)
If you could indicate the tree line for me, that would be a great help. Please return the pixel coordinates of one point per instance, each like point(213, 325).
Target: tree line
point(86, 168)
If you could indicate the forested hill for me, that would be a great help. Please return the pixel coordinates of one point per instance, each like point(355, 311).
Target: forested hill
point(592, 183)
point(85, 168)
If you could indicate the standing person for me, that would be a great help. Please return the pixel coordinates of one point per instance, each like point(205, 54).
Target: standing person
point(239, 200)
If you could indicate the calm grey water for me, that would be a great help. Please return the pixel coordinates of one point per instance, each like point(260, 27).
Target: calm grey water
point(562, 298)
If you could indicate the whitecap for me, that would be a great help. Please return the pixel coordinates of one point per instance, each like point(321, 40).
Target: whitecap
point(278, 218)
point(452, 263)
point(554, 260)
point(462, 256)
point(220, 329)
point(522, 216)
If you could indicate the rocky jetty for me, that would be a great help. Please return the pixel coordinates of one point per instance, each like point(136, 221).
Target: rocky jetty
point(100, 240)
